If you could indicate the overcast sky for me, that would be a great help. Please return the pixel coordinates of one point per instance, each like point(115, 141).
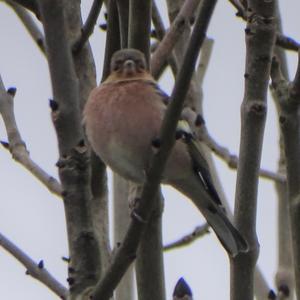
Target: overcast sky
point(34, 219)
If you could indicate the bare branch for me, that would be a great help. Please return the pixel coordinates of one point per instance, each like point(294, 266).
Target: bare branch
point(123, 21)
point(140, 26)
point(32, 5)
point(281, 40)
point(188, 239)
point(287, 42)
point(165, 47)
point(232, 160)
point(113, 42)
point(239, 7)
point(160, 33)
point(127, 251)
point(288, 101)
point(29, 24)
point(17, 146)
point(36, 270)
point(204, 60)
point(260, 39)
point(73, 164)
point(88, 27)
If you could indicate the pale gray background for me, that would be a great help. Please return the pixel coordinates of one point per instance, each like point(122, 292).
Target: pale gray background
point(34, 219)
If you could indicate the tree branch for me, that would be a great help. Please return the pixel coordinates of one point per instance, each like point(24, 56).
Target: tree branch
point(140, 26)
point(89, 25)
point(260, 39)
point(288, 100)
point(127, 251)
point(186, 240)
point(29, 24)
point(17, 146)
point(31, 5)
point(281, 40)
point(232, 160)
point(164, 49)
point(160, 33)
point(36, 270)
point(284, 277)
point(123, 13)
point(73, 164)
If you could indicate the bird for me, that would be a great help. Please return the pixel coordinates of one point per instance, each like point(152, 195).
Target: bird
point(122, 119)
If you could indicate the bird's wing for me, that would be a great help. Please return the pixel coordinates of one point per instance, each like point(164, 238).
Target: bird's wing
point(200, 164)
point(165, 98)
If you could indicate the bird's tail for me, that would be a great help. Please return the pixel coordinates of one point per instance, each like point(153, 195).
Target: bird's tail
point(215, 215)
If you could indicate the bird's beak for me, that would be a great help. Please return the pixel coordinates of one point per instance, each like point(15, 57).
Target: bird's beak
point(129, 67)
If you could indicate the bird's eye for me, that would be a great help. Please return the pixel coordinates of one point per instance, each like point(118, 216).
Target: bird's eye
point(116, 67)
point(117, 64)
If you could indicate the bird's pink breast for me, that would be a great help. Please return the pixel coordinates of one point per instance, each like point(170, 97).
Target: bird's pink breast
point(121, 123)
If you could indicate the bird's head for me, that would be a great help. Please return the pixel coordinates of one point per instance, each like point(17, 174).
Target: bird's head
point(128, 63)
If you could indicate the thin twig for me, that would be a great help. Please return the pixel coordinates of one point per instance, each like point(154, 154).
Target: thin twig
point(222, 152)
point(127, 251)
point(88, 26)
point(29, 24)
point(17, 146)
point(36, 270)
point(189, 238)
point(232, 159)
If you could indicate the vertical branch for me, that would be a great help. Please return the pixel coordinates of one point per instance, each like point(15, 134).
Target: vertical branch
point(121, 196)
point(73, 163)
point(86, 74)
point(113, 42)
point(150, 264)
point(123, 13)
point(260, 37)
point(285, 274)
point(288, 99)
point(140, 26)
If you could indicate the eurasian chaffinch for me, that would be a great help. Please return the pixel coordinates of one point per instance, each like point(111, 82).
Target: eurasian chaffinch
point(123, 117)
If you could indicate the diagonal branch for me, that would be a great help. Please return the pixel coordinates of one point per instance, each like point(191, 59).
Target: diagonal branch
point(31, 5)
point(186, 240)
point(36, 270)
point(232, 160)
point(29, 24)
point(127, 250)
point(88, 26)
point(164, 49)
point(17, 146)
